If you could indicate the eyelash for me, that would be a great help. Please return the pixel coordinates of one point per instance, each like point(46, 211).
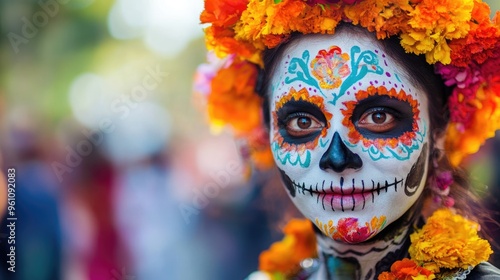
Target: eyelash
point(386, 110)
point(295, 115)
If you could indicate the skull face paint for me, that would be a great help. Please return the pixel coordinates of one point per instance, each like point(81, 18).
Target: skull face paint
point(348, 133)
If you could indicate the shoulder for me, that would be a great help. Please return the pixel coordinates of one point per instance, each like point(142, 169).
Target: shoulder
point(484, 271)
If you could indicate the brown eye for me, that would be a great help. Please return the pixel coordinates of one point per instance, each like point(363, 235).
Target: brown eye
point(304, 122)
point(377, 121)
point(379, 117)
point(303, 125)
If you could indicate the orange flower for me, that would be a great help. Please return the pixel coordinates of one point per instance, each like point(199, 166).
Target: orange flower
point(223, 13)
point(406, 269)
point(284, 256)
point(386, 18)
point(233, 100)
point(480, 41)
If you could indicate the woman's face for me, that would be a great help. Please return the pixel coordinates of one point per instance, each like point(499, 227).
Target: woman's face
point(349, 133)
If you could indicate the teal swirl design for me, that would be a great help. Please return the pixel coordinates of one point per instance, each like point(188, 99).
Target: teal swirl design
point(285, 157)
point(299, 68)
point(405, 151)
point(362, 64)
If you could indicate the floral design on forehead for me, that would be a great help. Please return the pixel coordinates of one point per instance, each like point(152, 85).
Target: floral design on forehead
point(330, 67)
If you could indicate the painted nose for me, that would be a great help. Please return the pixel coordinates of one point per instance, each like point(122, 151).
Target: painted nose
point(338, 157)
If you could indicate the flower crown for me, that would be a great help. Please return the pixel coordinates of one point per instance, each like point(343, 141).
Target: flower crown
point(457, 36)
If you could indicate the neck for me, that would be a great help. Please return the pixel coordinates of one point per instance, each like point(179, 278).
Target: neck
point(366, 260)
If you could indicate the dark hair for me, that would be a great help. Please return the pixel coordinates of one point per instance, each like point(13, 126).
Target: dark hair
point(422, 74)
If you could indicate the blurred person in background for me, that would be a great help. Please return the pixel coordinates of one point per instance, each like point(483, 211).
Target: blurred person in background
point(3, 193)
point(38, 243)
point(92, 245)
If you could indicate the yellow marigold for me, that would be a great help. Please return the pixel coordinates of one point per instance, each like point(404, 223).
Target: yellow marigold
point(223, 43)
point(266, 24)
point(449, 241)
point(284, 256)
point(432, 23)
point(252, 22)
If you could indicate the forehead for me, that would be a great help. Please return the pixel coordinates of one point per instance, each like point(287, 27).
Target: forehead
point(336, 63)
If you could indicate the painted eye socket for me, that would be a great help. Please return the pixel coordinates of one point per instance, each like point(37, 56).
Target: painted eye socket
point(383, 117)
point(302, 124)
point(377, 120)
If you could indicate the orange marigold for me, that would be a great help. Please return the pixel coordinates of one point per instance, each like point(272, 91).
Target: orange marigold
point(285, 255)
point(407, 269)
point(233, 100)
point(386, 18)
point(481, 40)
point(223, 13)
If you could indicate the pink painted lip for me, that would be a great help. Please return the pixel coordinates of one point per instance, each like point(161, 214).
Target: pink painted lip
point(352, 198)
point(346, 202)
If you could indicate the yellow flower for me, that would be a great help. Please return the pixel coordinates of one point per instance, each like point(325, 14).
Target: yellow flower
point(448, 241)
point(432, 23)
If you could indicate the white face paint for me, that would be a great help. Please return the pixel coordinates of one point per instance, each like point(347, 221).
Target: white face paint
point(349, 131)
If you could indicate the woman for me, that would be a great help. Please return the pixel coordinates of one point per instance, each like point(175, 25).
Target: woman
point(364, 133)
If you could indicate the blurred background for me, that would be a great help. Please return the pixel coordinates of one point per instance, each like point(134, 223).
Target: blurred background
point(117, 174)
